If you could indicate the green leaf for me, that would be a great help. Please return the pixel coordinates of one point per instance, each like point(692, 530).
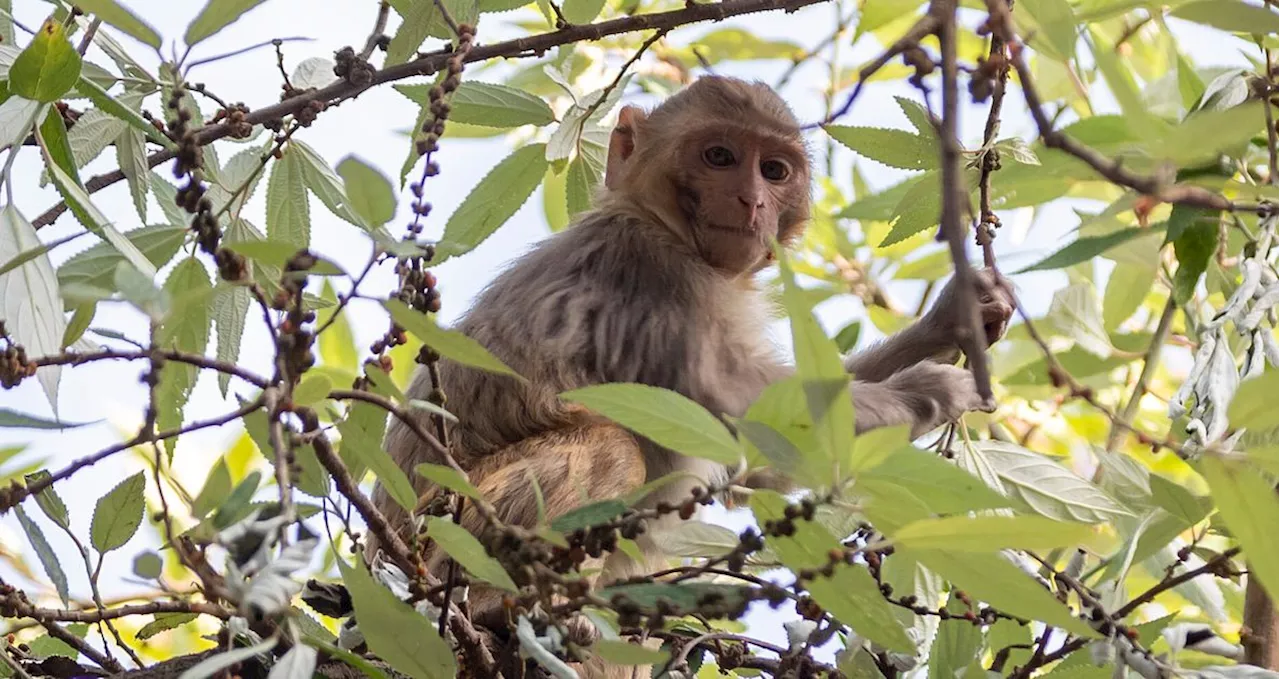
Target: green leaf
point(186, 328)
point(1229, 15)
point(48, 500)
point(230, 309)
point(96, 266)
point(312, 389)
point(447, 477)
point(414, 29)
point(1127, 286)
point(54, 134)
point(371, 454)
point(15, 419)
point(322, 181)
point(919, 208)
point(581, 11)
point(215, 16)
point(48, 66)
point(1047, 487)
point(450, 344)
point(493, 201)
point(1084, 249)
point(464, 548)
point(115, 108)
point(593, 514)
point(1247, 502)
point(895, 148)
point(955, 645)
point(1205, 134)
point(394, 631)
point(581, 181)
point(1193, 247)
point(492, 105)
point(1254, 404)
point(991, 533)
point(288, 213)
point(850, 594)
point(163, 622)
point(369, 194)
point(1179, 501)
point(148, 565)
point(48, 558)
point(118, 514)
point(992, 579)
point(665, 417)
point(942, 486)
point(272, 252)
point(85, 211)
point(1076, 313)
point(1058, 22)
point(217, 486)
point(120, 17)
point(620, 652)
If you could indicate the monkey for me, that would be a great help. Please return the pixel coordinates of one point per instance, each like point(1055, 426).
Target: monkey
point(656, 285)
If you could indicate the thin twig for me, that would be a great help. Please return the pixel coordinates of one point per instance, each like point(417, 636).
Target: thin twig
point(429, 64)
point(379, 26)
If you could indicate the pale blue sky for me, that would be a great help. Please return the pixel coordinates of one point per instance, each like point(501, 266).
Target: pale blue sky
point(370, 127)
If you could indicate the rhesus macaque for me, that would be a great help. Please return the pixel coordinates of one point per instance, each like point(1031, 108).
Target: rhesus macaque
point(655, 285)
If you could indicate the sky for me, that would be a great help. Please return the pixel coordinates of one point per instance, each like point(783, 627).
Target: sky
point(371, 127)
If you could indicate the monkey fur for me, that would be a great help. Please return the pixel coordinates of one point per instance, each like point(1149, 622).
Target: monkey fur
point(655, 286)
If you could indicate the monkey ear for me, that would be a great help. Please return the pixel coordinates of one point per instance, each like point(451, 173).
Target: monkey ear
point(621, 144)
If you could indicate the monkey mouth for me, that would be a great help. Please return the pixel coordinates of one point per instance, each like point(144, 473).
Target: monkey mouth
point(740, 230)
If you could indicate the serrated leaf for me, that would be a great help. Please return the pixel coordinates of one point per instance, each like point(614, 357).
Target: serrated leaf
point(17, 116)
point(186, 328)
point(216, 15)
point(371, 455)
point(895, 148)
point(450, 344)
point(1047, 487)
point(230, 310)
point(990, 578)
point(53, 133)
point(464, 548)
point(665, 417)
point(109, 105)
point(1205, 134)
point(394, 631)
point(943, 487)
point(47, 67)
point(163, 622)
point(494, 105)
point(1229, 15)
point(369, 194)
point(29, 300)
point(1247, 502)
point(48, 500)
point(118, 514)
point(955, 644)
point(48, 559)
point(236, 181)
point(288, 214)
point(1076, 313)
point(324, 183)
point(217, 486)
point(85, 211)
point(447, 477)
point(918, 209)
point(131, 156)
point(581, 180)
point(991, 533)
point(493, 201)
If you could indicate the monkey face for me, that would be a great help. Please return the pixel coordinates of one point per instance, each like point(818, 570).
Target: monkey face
point(739, 190)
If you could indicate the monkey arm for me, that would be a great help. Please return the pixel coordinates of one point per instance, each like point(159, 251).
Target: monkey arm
point(918, 342)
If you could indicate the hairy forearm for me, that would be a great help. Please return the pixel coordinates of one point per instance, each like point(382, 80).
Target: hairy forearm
point(918, 342)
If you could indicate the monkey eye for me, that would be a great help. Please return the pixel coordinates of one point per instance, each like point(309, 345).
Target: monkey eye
point(775, 170)
point(718, 156)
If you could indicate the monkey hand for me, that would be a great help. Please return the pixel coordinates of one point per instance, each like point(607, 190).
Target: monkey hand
point(995, 307)
point(937, 393)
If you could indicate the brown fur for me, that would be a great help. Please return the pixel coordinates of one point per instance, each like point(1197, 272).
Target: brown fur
point(655, 286)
